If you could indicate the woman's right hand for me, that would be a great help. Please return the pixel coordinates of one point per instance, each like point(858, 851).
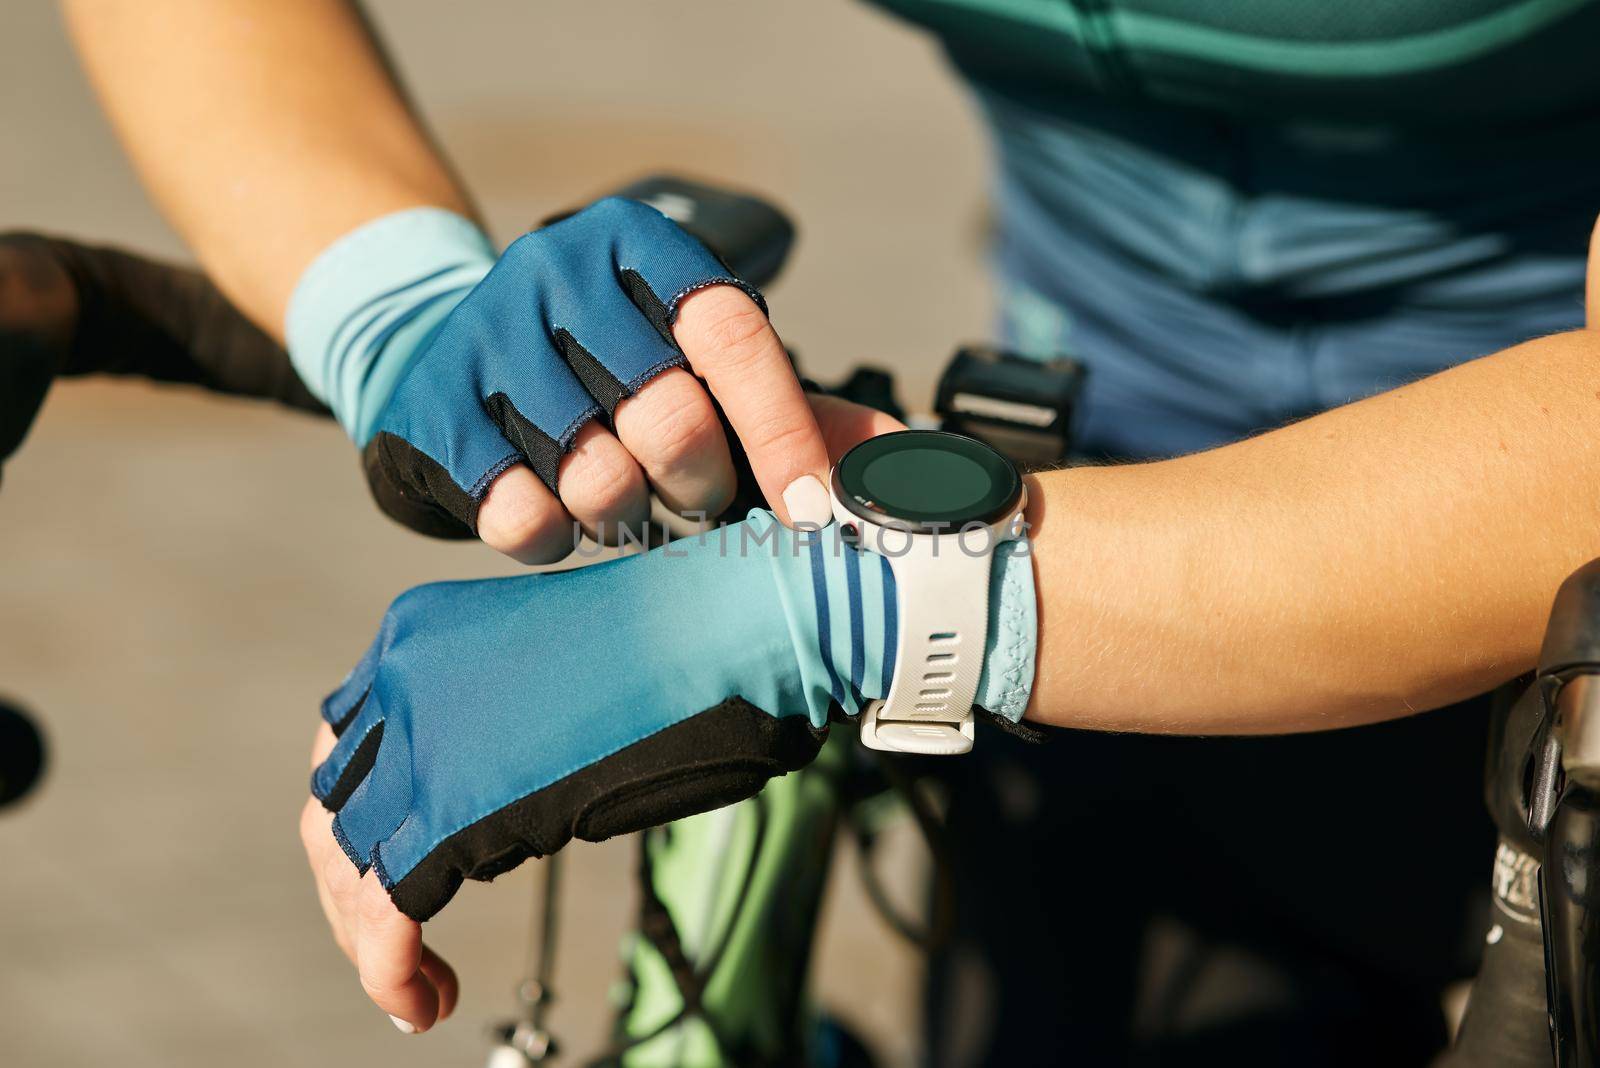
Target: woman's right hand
point(559, 384)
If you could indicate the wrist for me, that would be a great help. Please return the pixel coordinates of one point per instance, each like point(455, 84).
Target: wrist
point(840, 604)
point(371, 300)
point(1144, 575)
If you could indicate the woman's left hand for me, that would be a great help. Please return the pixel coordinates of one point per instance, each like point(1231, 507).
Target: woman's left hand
point(402, 975)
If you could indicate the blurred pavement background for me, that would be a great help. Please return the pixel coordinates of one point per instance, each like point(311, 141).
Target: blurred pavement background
point(181, 578)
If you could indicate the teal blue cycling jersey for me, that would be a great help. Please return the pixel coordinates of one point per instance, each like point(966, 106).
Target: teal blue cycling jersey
point(1240, 213)
point(1431, 62)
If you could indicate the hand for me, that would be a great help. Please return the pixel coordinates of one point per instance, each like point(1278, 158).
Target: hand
point(403, 976)
point(496, 423)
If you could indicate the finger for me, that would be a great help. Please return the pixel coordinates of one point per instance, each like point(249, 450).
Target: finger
point(447, 443)
point(352, 757)
point(331, 872)
point(672, 430)
point(389, 960)
point(340, 707)
point(1592, 286)
point(332, 912)
point(846, 424)
point(728, 341)
point(443, 978)
point(602, 487)
point(373, 794)
point(322, 744)
point(522, 518)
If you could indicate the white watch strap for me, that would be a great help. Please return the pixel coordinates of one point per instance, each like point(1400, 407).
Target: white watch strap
point(942, 613)
point(942, 597)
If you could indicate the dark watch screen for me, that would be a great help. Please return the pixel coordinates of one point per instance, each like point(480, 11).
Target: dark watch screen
point(926, 477)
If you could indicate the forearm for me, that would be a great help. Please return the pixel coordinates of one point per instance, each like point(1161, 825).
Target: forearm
point(1386, 557)
point(263, 130)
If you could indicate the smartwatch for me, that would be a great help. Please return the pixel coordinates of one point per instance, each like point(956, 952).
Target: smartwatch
point(935, 505)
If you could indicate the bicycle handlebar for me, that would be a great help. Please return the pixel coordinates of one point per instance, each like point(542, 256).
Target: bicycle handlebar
point(1572, 639)
point(1537, 997)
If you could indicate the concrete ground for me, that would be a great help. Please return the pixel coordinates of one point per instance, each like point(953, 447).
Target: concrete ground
point(182, 578)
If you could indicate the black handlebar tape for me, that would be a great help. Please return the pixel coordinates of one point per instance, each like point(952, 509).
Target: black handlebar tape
point(1506, 1025)
point(1516, 735)
point(1570, 894)
point(1572, 640)
point(71, 309)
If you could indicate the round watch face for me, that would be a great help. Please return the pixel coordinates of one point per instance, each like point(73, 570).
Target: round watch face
point(928, 480)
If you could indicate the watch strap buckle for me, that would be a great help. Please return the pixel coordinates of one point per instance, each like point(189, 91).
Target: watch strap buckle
point(923, 737)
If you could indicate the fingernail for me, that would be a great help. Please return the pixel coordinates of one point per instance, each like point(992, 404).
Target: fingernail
point(405, 1027)
point(807, 502)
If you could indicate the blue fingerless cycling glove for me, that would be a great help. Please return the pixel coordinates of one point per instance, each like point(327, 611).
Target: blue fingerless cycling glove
point(448, 366)
point(493, 721)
